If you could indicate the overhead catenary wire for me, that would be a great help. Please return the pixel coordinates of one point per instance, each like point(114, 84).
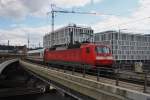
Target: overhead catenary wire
point(55, 9)
point(128, 22)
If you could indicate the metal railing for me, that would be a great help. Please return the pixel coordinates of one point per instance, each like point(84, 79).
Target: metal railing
point(143, 80)
point(2, 59)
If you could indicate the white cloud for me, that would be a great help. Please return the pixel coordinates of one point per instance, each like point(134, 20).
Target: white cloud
point(143, 10)
point(137, 22)
point(110, 22)
point(19, 35)
point(21, 8)
point(74, 3)
point(12, 9)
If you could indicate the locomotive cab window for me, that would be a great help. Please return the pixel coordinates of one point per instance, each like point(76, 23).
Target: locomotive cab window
point(102, 50)
point(87, 50)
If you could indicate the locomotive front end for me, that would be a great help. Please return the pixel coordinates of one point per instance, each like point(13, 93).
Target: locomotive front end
point(104, 56)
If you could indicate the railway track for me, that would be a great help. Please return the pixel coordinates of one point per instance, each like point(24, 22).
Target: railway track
point(143, 81)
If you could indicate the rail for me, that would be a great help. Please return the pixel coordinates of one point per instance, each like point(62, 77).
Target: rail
point(136, 81)
point(141, 79)
point(86, 85)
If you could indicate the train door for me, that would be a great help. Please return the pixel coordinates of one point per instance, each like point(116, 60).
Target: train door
point(88, 55)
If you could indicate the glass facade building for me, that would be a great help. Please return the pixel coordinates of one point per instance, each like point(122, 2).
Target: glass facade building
point(126, 46)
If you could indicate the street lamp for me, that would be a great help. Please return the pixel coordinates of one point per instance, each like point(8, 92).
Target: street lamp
point(118, 42)
point(120, 32)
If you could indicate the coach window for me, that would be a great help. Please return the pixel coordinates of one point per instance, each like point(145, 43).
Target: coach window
point(87, 50)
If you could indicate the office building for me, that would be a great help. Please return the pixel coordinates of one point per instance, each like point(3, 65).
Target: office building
point(126, 47)
point(62, 35)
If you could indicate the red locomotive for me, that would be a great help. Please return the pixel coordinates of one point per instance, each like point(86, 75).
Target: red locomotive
point(90, 54)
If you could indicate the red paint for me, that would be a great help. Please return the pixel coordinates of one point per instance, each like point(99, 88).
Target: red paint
point(80, 55)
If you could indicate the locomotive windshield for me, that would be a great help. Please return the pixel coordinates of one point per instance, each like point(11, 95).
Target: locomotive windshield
point(102, 50)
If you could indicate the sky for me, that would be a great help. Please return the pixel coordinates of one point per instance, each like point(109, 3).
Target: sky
point(23, 19)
